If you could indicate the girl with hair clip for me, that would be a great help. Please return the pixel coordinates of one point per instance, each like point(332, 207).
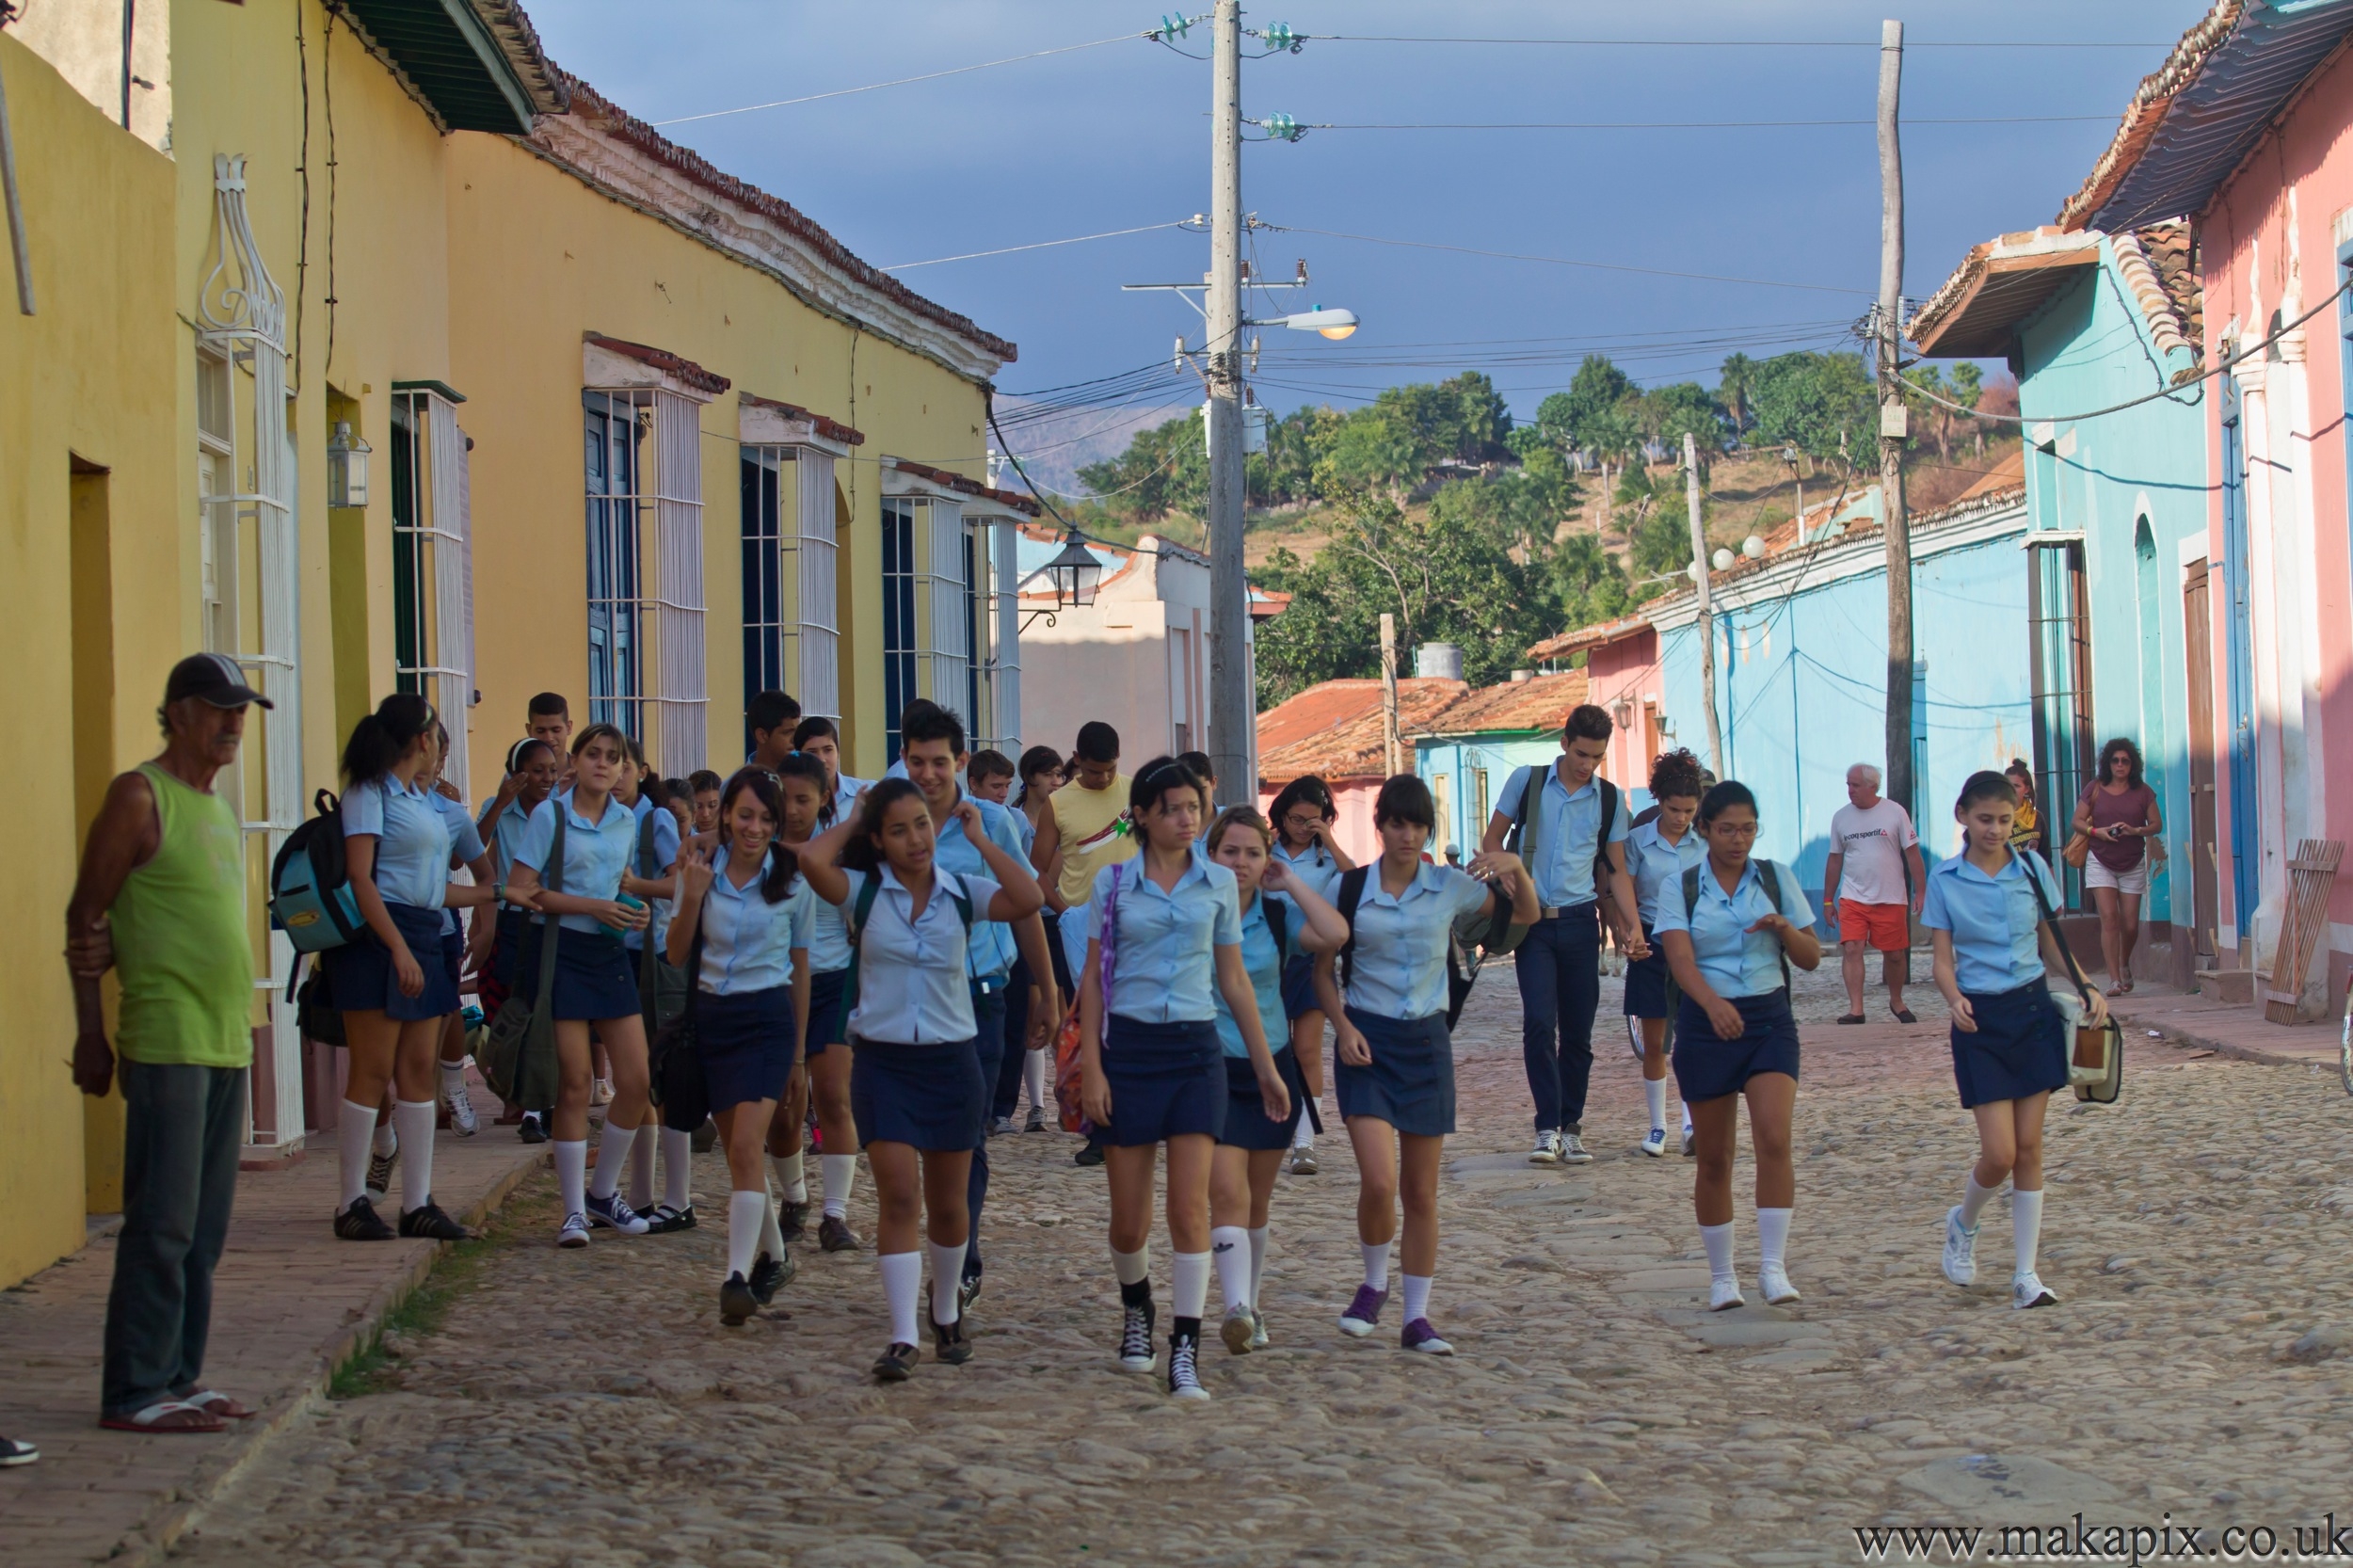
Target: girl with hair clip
point(1387, 994)
point(740, 932)
point(1283, 915)
point(1302, 815)
point(595, 986)
point(396, 846)
point(827, 1082)
point(1985, 907)
point(1164, 944)
point(1657, 855)
point(1732, 926)
point(915, 1077)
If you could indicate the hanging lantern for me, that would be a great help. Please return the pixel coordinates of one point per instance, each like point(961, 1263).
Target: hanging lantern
point(346, 467)
point(1074, 573)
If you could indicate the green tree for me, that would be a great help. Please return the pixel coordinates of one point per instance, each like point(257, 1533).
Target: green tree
point(1589, 581)
point(1733, 382)
point(1667, 413)
point(1164, 468)
point(1596, 398)
point(1821, 403)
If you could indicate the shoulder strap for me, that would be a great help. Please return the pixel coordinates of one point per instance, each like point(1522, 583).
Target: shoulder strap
point(1601, 831)
point(1352, 894)
point(1691, 890)
point(646, 868)
point(1277, 923)
point(861, 906)
point(1524, 820)
point(1769, 874)
point(1108, 949)
point(2049, 917)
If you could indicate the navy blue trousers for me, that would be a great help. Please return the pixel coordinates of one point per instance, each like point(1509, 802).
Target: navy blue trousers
point(1558, 964)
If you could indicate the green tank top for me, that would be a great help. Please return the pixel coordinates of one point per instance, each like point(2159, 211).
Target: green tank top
point(182, 951)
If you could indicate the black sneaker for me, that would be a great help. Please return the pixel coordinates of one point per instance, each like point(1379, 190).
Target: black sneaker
point(359, 1221)
point(793, 1219)
point(1135, 1335)
point(533, 1129)
point(948, 1345)
point(967, 1291)
point(1091, 1154)
point(664, 1220)
point(429, 1220)
point(834, 1235)
point(770, 1277)
point(895, 1365)
point(380, 1169)
point(738, 1302)
point(13, 1452)
point(1184, 1378)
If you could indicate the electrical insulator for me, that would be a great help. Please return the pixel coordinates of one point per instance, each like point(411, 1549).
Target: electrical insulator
point(1281, 37)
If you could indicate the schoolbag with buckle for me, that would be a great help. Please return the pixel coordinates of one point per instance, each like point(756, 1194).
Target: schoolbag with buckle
point(310, 883)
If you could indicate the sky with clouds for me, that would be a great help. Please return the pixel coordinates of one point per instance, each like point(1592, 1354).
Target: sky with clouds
point(1117, 136)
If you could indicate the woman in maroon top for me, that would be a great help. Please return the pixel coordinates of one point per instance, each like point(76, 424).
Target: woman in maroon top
point(2120, 811)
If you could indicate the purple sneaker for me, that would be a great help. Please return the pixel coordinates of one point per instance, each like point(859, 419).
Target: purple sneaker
point(1363, 1314)
point(1420, 1337)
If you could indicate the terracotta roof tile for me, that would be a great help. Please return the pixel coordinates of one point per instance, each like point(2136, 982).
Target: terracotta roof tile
point(953, 481)
point(1333, 730)
point(1583, 637)
point(662, 360)
point(1539, 703)
point(827, 426)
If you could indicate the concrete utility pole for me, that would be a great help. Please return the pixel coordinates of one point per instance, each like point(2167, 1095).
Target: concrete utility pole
point(1232, 709)
point(1893, 423)
point(1707, 621)
point(1392, 745)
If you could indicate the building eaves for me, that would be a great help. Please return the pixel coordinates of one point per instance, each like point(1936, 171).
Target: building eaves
point(662, 360)
point(2139, 272)
point(472, 65)
point(1587, 638)
point(1998, 284)
point(949, 479)
point(827, 426)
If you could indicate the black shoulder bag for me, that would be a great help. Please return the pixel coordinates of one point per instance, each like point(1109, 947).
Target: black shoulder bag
point(517, 1054)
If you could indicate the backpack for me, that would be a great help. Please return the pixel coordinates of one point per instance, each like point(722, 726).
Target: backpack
point(1458, 983)
point(310, 883)
point(855, 927)
point(1768, 874)
point(1524, 823)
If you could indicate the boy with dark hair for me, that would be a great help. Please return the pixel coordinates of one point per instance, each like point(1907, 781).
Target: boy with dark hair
point(769, 718)
point(704, 786)
point(990, 775)
point(549, 717)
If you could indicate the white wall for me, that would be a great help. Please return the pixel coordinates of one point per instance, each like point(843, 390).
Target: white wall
point(1116, 660)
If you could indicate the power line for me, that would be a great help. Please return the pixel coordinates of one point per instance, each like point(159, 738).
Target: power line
point(1691, 124)
point(1715, 43)
point(899, 82)
point(1040, 244)
point(1564, 260)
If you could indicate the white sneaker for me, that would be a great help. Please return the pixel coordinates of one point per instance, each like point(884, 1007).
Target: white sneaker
point(2027, 1290)
point(1257, 1329)
point(1656, 1143)
point(1002, 1127)
point(1690, 1140)
point(1238, 1331)
point(1772, 1282)
point(601, 1092)
point(1572, 1150)
point(1961, 1249)
point(1547, 1150)
point(462, 1120)
point(574, 1232)
point(1725, 1294)
point(1303, 1160)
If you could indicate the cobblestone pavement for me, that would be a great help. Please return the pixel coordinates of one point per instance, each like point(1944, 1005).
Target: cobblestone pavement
point(588, 1409)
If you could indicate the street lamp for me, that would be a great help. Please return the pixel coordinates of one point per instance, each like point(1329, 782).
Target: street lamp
point(1335, 323)
point(1075, 572)
point(346, 467)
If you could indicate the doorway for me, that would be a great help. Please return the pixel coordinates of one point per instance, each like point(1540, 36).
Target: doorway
point(2204, 866)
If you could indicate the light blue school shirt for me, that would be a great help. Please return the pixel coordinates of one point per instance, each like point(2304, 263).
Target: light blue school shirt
point(1163, 968)
point(1656, 864)
point(595, 853)
point(1317, 869)
point(1735, 961)
point(506, 835)
point(465, 845)
point(1400, 963)
point(991, 951)
point(1996, 943)
point(1265, 963)
point(748, 941)
point(830, 939)
point(412, 840)
point(665, 845)
point(911, 981)
point(1561, 856)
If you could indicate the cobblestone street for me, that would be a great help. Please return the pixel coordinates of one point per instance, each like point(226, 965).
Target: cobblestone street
point(587, 1408)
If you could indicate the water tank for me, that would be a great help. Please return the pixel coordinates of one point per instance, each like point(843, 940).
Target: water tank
point(1438, 660)
point(1522, 677)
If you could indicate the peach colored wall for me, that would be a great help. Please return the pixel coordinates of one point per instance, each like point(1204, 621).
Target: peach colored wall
point(1353, 830)
point(1629, 669)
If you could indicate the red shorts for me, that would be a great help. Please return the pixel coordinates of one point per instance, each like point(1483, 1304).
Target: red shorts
point(1885, 926)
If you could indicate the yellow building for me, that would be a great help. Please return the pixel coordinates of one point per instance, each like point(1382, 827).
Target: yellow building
point(619, 426)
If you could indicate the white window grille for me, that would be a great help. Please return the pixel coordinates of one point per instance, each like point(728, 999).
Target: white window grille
point(947, 591)
point(791, 639)
point(1179, 685)
point(433, 559)
point(1004, 665)
point(645, 558)
point(938, 639)
point(252, 572)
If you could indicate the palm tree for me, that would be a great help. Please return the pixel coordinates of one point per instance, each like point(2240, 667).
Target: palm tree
point(1733, 384)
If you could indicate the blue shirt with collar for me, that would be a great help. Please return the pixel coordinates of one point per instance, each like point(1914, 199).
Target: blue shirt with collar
point(1265, 961)
point(829, 938)
point(1317, 869)
point(1994, 921)
point(1164, 960)
point(465, 846)
point(1561, 855)
point(595, 853)
point(913, 988)
point(1734, 960)
point(1653, 864)
point(506, 834)
point(748, 941)
point(992, 950)
point(665, 846)
point(1398, 968)
point(412, 840)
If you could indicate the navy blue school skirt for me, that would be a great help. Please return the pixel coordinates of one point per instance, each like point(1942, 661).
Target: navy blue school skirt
point(745, 1043)
point(361, 975)
point(1410, 1082)
point(453, 955)
point(1299, 987)
point(827, 1019)
point(1246, 1126)
point(1166, 1080)
point(594, 977)
point(2019, 1050)
point(1648, 984)
point(507, 951)
point(929, 1098)
point(1709, 1068)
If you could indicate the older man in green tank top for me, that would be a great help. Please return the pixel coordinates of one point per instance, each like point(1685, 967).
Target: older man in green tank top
point(161, 900)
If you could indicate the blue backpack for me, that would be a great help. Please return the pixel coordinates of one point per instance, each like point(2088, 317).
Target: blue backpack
point(310, 884)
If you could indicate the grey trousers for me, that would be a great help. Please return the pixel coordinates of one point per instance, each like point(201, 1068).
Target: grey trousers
point(182, 1129)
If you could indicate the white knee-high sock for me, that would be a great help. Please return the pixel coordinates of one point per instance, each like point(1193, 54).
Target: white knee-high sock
point(678, 1169)
point(1134, 1268)
point(1260, 1236)
point(1655, 1095)
point(745, 1210)
point(1772, 1235)
point(836, 1174)
point(1417, 1295)
point(1189, 1284)
point(1303, 1136)
point(1034, 1077)
point(771, 1233)
point(387, 1140)
point(1718, 1240)
point(947, 1274)
point(571, 1174)
point(611, 1157)
point(1376, 1263)
point(2025, 1219)
point(1686, 1118)
point(903, 1286)
point(1973, 1201)
point(354, 1125)
point(452, 1077)
point(641, 1151)
point(414, 1120)
point(1230, 1246)
point(789, 1178)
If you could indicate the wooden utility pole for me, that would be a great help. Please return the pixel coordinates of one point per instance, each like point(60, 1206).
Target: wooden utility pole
point(1707, 622)
point(1892, 424)
point(1392, 747)
point(1232, 704)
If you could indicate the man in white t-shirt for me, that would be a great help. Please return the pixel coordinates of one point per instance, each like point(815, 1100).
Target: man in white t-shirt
point(1873, 884)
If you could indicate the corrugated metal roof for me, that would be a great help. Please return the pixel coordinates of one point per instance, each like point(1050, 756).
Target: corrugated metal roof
point(2193, 121)
point(476, 62)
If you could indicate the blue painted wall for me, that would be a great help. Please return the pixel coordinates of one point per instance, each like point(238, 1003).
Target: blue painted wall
point(1458, 763)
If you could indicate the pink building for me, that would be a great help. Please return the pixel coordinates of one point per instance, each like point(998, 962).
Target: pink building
point(1333, 730)
point(1623, 675)
point(2243, 131)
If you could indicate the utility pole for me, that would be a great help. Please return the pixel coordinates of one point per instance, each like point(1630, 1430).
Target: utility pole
point(1893, 423)
point(1707, 621)
point(1392, 745)
point(1232, 709)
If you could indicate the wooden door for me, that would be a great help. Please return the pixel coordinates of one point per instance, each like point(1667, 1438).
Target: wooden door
point(2203, 867)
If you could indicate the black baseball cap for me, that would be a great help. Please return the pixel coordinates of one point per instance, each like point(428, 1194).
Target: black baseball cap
point(216, 678)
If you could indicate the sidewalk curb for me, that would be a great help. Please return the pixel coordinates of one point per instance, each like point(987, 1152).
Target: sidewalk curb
point(2176, 1035)
point(151, 1541)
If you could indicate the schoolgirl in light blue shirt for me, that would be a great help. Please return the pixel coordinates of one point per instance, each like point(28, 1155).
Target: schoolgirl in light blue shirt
point(412, 839)
point(596, 854)
point(1657, 865)
point(1164, 938)
point(1737, 950)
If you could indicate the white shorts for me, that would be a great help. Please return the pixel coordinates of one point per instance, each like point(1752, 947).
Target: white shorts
point(2134, 883)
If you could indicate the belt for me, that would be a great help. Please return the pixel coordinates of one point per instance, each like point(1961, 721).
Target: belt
point(990, 985)
point(1549, 913)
